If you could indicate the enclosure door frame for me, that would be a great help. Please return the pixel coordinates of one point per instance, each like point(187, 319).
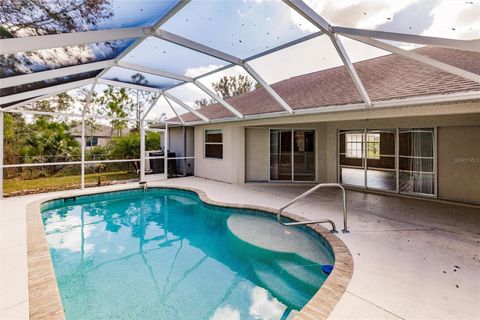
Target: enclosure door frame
point(144, 177)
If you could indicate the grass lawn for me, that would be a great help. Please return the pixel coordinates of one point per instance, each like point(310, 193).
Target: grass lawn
point(15, 187)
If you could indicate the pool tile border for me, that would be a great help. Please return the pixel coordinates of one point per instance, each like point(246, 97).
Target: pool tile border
point(44, 296)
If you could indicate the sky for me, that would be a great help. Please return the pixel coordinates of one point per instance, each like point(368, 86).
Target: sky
point(246, 27)
point(448, 19)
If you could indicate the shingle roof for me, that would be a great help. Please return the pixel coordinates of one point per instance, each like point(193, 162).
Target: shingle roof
point(385, 78)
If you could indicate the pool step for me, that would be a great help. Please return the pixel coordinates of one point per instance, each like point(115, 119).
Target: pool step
point(267, 236)
point(284, 289)
point(311, 277)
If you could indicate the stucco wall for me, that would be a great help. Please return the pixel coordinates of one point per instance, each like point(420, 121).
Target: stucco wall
point(255, 162)
point(256, 154)
point(459, 163)
point(231, 168)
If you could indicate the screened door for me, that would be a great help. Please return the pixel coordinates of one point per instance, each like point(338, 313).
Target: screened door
point(155, 155)
point(292, 155)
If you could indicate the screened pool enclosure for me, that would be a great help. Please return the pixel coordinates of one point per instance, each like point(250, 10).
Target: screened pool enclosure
point(162, 58)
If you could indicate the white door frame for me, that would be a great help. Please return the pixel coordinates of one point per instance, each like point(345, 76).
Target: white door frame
point(144, 177)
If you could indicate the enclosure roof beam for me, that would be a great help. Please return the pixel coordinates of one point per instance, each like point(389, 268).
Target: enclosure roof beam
point(310, 14)
point(154, 102)
point(162, 34)
point(40, 92)
point(467, 45)
point(55, 73)
point(179, 6)
point(25, 44)
point(181, 78)
point(157, 25)
point(71, 115)
point(187, 43)
point(173, 109)
point(128, 85)
point(165, 74)
point(186, 107)
point(285, 46)
point(23, 103)
point(337, 43)
point(419, 58)
point(267, 87)
point(219, 99)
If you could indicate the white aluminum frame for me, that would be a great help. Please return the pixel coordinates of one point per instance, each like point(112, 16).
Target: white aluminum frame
point(397, 156)
point(9, 46)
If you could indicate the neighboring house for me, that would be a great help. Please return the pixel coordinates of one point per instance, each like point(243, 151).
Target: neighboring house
point(420, 137)
point(99, 136)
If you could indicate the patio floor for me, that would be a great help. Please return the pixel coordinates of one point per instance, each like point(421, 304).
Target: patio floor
point(413, 258)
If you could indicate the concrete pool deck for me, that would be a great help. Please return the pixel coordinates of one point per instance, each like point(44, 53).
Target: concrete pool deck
point(414, 259)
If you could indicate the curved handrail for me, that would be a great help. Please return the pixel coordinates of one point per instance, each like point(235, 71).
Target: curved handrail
point(303, 195)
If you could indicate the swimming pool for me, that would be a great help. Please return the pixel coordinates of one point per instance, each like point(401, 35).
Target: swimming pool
point(165, 254)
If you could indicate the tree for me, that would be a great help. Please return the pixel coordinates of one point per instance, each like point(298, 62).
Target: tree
point(116, 102)
point(24, 18)
point(203, 102)
point(13, 128)
point(231, 86)
point(48, 141)
point(142, 98)
point(57, 103)
point(21, 18)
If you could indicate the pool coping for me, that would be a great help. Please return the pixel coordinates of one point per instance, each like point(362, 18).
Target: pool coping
point(44, 295)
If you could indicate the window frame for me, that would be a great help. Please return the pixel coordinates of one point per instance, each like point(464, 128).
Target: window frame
point(205, 143)
point(91, 141)
point(365, 144)
point(398, 171)
point(353, 154)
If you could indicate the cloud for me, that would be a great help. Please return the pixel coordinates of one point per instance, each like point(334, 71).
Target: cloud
point(456, 20)
point(404, 20)
point(197, 71)
point(353, 13)
point(264, 308)
point(226, 313)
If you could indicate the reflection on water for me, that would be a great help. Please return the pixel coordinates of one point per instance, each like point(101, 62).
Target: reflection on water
point(166, 255)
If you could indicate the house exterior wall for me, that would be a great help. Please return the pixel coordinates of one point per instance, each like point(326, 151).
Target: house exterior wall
point(231, 168)
point(457, 137)
point(458, 156)
point(256, 154)
point(459, 163)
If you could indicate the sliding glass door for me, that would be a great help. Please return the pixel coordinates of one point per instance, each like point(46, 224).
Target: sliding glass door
point(281, 155)
point(352, 157)
point(292, 155)
point(416, 161)
point(395, 160)
point(381, 167)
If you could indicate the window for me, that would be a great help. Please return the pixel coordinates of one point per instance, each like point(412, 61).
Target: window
point(373, 145)
point(354, 144)
point(92, 141)
point(214, 144)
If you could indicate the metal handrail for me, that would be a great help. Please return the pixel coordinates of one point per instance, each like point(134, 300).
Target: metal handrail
point(303, 195)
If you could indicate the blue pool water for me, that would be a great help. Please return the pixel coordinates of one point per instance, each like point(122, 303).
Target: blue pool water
point(165, 254)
